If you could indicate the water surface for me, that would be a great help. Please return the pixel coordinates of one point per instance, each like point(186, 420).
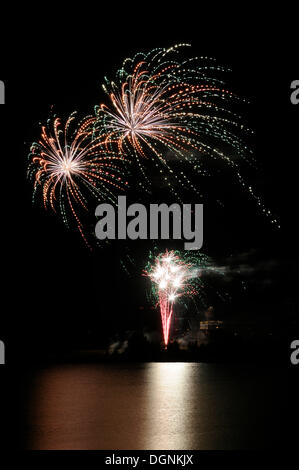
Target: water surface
point(155, 406)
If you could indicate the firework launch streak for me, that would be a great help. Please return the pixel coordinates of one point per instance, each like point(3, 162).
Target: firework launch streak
point(174, 275)
point(159, 222)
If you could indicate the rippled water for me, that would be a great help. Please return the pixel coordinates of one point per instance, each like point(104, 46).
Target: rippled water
point(154, 406)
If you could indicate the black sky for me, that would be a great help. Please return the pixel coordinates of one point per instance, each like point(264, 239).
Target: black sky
point(59, 292)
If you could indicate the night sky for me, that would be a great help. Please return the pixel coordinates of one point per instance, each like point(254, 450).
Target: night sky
point(60, 294)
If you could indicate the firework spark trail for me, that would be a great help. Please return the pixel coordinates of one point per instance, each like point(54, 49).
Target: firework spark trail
point(64, 164)
point(159, 108)
point(172, 278)
point(159, 105)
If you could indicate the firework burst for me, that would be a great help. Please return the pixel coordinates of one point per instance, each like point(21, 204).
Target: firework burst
point(67, 164)
point(166, 109)
point(174, 276)
point(171, 110)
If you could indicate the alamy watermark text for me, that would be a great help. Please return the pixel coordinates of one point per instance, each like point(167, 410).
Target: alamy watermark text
point(162, 222)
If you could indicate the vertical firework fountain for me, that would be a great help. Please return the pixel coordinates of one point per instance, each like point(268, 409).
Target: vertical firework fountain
point(170, 276)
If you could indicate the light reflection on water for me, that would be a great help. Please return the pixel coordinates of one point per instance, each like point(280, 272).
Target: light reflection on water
point(167, 415)
point(150, 406)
